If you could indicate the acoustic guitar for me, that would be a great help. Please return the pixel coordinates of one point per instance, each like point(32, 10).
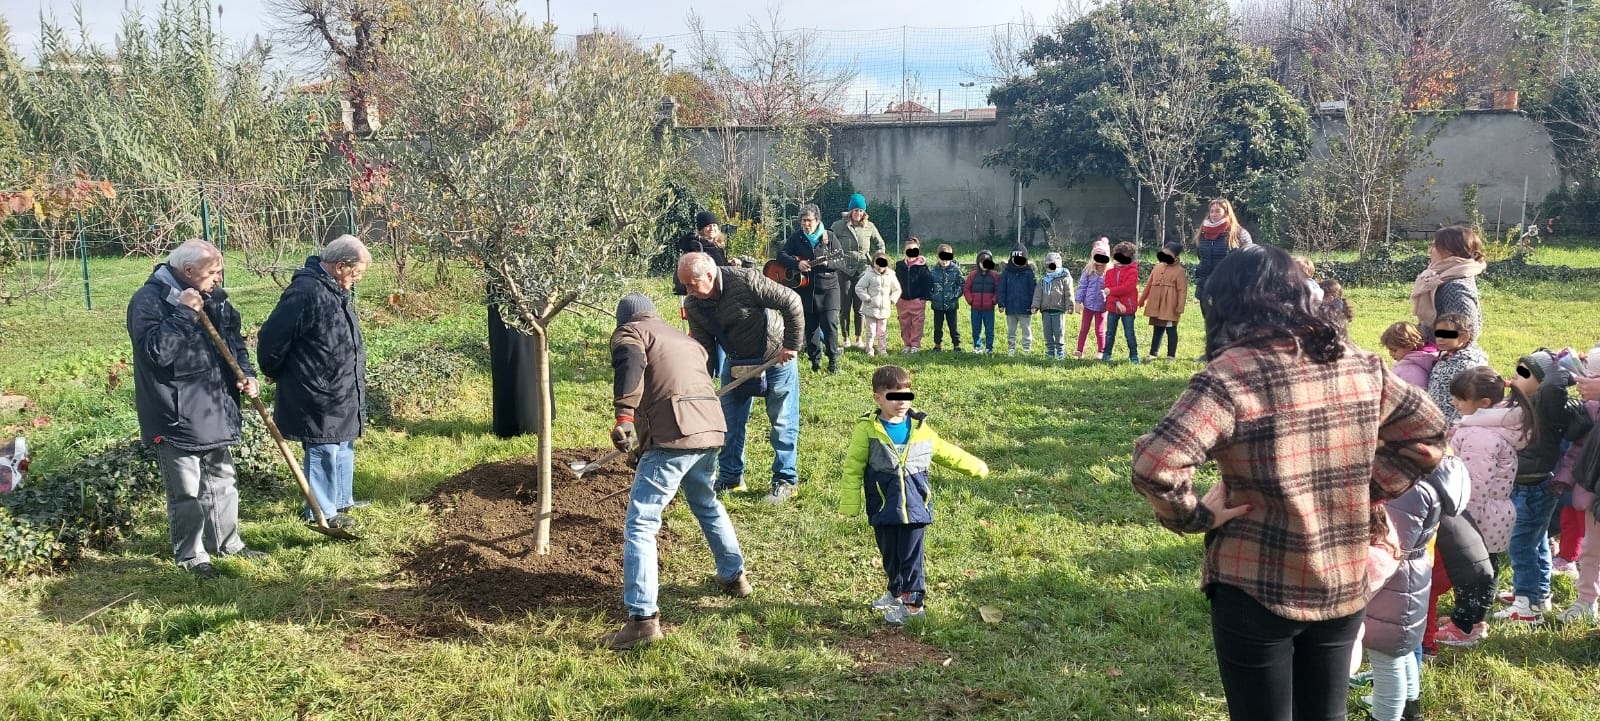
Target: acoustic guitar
point(775, 269)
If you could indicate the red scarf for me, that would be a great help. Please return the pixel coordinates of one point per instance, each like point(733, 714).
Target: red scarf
point(1212, 232)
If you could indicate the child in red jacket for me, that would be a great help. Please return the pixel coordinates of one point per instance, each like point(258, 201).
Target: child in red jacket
point(1122, 300)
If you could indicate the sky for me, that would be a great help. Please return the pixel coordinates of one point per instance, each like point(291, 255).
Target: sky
point(924, 49)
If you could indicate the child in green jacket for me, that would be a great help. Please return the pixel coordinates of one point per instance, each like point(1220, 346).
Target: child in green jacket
point(886, 472)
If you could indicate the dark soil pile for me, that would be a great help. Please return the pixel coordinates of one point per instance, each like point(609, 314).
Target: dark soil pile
point(483, 558)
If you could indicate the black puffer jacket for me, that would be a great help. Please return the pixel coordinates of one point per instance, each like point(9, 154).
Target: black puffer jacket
point(184, 391)
point(757, 317)
point(311, 345)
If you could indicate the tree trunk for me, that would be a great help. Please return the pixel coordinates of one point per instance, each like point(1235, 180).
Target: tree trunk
point(1161, 222)
point(541, 341)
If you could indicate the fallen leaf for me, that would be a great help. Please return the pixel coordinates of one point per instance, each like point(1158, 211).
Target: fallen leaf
point(990, 614)
point(946, 662)
point(1113, 672)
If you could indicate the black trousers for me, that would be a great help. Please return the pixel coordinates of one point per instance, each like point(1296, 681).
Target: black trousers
point(901, 548)
point(940, 318)
point(1275, 669)
point(849, 308)
point(821, 309)
point(1172, 339)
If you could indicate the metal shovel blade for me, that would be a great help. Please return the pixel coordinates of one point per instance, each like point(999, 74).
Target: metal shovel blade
point(580, 468)
point(332, 532)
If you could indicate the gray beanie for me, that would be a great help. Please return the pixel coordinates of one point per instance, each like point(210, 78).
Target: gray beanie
point(1540, 362)
point(633, 304)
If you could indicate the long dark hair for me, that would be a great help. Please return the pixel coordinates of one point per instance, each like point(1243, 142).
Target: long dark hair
point(1258, 295)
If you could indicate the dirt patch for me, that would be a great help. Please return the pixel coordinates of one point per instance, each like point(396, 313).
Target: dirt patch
point(887, 649)
point(483, 558)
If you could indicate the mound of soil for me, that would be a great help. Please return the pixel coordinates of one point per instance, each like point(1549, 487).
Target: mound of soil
point(483, 558)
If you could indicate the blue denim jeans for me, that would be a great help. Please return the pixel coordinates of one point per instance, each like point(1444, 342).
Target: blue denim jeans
point(1395, 680)
point(783, 411)
point(1112, 319)
point(660, 474)
point(330, 469)
point(1530, 546)
point(983, 330)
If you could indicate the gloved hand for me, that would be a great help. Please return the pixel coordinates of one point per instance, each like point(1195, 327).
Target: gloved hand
point(623, 436)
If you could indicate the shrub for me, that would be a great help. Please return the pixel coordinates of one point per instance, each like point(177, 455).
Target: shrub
point(91, 503)
point(415, 383)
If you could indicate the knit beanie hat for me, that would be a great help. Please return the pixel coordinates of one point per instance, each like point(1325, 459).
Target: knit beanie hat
point(704, 218)
point(1020, 251)
point(1101, 247)
point(1053, 258)
point(633, 304)
point(1539, 362)
point(858, 201)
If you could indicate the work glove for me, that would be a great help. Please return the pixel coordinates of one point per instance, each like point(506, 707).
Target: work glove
point(623, 436)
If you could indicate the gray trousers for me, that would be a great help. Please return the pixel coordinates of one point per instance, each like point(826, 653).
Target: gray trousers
point(1024, 323)
point(202, 503)
point(1054, 325)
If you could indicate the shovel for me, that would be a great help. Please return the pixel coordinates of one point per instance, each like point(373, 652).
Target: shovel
point(320, 524)
point(580, 468)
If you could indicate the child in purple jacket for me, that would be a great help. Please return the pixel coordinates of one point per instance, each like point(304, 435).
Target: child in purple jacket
point(1091, 297)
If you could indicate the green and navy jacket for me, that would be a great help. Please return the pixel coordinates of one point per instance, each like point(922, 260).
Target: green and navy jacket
point(891, 481)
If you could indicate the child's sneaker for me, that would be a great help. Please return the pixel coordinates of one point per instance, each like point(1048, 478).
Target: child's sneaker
point(885, 602)
point(1522, 611)
point(1563, 567)
point(1078, 355)
point(1506, 597)
point(1579, 612)
point(1134, 360)
point(1451, 635)
point(871, 351)
point(901, 612)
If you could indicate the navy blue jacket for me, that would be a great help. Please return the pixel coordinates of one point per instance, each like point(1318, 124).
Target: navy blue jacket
point(311, 346)
point(184, 391)
point(1016, 288)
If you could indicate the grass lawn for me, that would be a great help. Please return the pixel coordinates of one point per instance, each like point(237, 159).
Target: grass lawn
point(1102, 618)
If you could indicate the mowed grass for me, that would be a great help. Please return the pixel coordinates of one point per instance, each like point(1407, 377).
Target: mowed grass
point(1102, 617)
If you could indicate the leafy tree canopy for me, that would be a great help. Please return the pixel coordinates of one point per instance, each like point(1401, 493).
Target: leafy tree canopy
point(1065, 113)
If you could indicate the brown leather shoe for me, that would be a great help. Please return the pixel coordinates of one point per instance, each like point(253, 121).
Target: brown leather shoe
point(636, 633)
point(738, 587)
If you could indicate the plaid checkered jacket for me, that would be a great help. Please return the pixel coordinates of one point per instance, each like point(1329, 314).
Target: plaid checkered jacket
point(1310, 447)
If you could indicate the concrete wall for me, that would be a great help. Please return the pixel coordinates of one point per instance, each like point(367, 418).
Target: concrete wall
point(938, 167)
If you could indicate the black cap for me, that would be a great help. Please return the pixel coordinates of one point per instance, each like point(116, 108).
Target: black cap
point(704, 218)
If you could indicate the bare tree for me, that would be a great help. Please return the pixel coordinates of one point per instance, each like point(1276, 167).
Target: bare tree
point(1161, 102)
point(353, 33)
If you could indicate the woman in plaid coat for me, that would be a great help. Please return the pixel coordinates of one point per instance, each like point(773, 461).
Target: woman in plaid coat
point(1310, 435)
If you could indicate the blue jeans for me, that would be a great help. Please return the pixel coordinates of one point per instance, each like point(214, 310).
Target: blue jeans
point(657, 480)
point(330, 470)
point(1395, 680)
point(783, 410)
point(1127, 331)
point(983, 329)
point(1530, 546)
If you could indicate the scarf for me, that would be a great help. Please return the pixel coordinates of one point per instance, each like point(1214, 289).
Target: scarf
point(1438, 273)
point(814, 237)
point(1212, 231)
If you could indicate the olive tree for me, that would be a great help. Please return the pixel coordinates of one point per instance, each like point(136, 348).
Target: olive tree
point(540, 165)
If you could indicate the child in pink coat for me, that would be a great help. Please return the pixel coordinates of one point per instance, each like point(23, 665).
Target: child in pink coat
point(1487, 439)
point(1412, 360)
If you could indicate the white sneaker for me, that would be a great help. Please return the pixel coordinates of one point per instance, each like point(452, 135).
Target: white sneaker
point(885, 602)
point(871, 351)
point(1579, 612)
point(1522, 611)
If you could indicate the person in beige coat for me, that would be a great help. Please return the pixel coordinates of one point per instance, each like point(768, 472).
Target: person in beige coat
point(878, 289)
point(1165, 293)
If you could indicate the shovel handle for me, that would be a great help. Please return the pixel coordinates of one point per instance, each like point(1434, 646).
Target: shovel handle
point(261, 408)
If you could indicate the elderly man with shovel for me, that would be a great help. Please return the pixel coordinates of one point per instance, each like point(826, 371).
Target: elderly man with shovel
point(188, 401)
point(666, 412)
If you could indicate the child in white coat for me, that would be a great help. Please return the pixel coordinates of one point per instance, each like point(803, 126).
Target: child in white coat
point(878, 290)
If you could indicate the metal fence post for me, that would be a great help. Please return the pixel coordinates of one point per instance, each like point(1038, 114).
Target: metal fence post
point(83, 256)
point(205, 219)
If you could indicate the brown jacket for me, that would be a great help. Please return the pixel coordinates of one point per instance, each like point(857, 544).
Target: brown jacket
point(661, 381)
point(1165, 292)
